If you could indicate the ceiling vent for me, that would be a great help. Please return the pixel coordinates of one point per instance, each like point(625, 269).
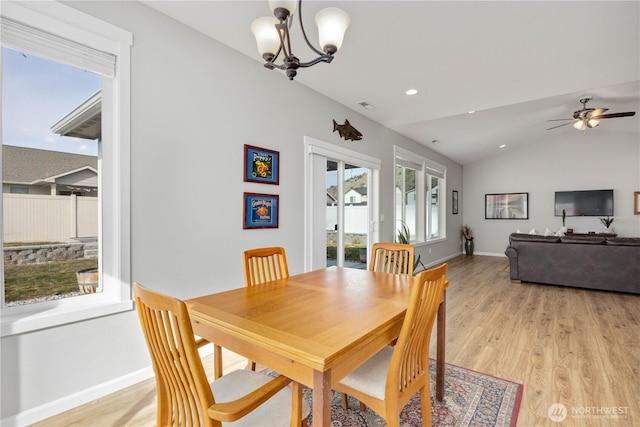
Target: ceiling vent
point(366, 105)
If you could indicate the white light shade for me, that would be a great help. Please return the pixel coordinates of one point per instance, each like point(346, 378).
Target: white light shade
point(290, 5)
point(267, 37)
point(332, 24)
point(593, 123)
point(579, 125)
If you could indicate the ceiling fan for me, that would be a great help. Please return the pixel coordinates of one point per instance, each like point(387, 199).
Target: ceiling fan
point(589, 117)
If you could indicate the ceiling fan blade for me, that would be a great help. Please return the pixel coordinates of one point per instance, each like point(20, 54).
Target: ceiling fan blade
point(564, 124)
point(614, 115)
point(558, 120)
point(596, 112)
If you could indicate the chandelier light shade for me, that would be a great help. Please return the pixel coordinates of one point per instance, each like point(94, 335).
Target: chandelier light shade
point(264, 29)
point(274, 42)
point(579, 124)
point(332, 24)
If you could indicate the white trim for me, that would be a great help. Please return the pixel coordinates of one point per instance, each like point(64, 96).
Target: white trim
point(315, 146)
point(113, 171)
point(49, 409)
point(425, 166)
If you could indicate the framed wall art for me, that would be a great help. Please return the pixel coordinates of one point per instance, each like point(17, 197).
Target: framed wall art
point(454, 202)
point(260, 210)
point(506, 206)
point(636, 203)
point(261, 165)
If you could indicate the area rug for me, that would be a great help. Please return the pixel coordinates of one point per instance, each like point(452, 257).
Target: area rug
point(470, 399)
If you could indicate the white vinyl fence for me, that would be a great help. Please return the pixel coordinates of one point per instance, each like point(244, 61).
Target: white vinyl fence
point(36, 218)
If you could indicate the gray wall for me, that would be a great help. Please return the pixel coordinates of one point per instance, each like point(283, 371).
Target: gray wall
point(194, 104)
point(567, 160)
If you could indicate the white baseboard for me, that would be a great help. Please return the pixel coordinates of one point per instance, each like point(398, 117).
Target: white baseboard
point(42, 412)
point(58, 406)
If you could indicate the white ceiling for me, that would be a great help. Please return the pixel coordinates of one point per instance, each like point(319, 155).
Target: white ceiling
point(516, 63)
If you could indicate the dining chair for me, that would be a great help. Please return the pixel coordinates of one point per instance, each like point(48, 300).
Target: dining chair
point(389, 379)
point(264, 265)
point(184, 395)
point(393, 258)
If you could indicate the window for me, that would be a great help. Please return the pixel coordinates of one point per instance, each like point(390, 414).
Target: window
point(61, 34)
point(19, 190)
point(419, 186)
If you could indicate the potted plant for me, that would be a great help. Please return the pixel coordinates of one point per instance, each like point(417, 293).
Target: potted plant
point(607, 223)
point(404, 237)
point(468, 239)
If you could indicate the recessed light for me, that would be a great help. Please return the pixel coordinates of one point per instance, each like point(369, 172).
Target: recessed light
point(472, 111)
point(411, 92)
point(503, 145)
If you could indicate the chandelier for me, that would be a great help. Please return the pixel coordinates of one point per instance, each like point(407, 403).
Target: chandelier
point(274, 41)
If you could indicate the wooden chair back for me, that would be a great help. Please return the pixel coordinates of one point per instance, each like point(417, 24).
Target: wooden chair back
point(264, 265)
point(184, 393)
point(409, 368)
point(393, 258)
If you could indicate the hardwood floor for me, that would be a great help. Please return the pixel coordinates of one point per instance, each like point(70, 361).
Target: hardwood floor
point(576, 347)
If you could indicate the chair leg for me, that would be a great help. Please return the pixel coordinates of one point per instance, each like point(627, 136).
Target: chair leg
point(425, 405)
point(345, 403)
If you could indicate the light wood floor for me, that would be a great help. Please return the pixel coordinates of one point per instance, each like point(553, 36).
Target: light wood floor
point(576, 347)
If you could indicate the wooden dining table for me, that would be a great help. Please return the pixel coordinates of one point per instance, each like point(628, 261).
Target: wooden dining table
point(314, 327)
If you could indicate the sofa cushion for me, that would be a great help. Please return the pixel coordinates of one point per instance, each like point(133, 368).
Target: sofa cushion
point(584, 240)
point(522, 237)
point(623, 241)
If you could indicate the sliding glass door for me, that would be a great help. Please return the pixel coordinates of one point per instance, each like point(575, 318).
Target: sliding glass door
point(341, 205)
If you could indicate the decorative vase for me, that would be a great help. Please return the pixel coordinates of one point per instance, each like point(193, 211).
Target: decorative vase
point(468, 247)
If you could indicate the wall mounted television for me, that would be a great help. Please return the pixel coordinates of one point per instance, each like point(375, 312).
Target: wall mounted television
point(584, 203)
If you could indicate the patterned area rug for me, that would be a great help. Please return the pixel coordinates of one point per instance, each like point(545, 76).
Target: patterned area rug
point(471, 399)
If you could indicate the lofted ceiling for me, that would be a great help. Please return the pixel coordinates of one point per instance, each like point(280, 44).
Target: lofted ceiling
point(516, 64)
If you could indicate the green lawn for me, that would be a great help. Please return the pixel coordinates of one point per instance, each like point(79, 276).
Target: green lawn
point(23, 282)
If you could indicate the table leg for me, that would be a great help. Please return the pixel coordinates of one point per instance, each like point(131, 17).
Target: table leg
point(440, 348)
point(322, 398)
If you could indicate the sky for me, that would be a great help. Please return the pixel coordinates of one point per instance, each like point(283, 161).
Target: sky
point(36, 94)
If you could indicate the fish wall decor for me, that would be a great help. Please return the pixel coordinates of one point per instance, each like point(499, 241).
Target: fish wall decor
point(347, 131)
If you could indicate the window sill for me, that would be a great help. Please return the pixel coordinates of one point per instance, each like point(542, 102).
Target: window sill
point(31, 321)
point(430, 242)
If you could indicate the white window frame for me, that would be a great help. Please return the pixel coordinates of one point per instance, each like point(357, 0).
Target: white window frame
point(423, 167)
point(114, 171)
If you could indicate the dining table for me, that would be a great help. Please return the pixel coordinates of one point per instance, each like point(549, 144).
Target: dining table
point(314, 327)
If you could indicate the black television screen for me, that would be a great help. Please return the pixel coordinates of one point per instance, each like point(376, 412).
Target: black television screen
point(585, 203)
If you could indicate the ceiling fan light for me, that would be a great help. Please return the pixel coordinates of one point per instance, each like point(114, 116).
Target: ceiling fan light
point(579, 124)
point(266, 35)
point(332, 24)
point(593, 123)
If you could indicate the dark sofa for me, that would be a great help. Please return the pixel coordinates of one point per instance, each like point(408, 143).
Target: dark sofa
point(591, 262)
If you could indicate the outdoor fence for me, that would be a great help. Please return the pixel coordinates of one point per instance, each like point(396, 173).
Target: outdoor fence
point(36, 218)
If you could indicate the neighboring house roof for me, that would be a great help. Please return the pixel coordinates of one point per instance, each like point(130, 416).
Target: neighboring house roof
point(331, 200)
point(84, 121)
point(29, 166)
point(361, 190)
